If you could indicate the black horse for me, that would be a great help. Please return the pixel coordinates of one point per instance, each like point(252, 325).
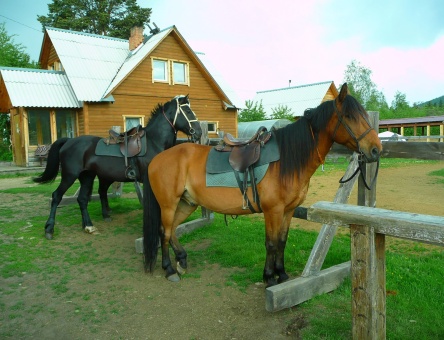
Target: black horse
point(78, 160)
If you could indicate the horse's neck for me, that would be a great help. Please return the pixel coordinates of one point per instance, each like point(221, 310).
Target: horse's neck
point(160, 134)
point(319, 154)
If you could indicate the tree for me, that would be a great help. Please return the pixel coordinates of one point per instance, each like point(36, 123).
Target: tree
point(113, 18)
point(254, 111)
point(11, 55)
point(399, 102)
point(282, 112)
point(358, 79)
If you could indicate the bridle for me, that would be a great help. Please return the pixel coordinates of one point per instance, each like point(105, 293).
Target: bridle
point(361, 157)
point(179, 110)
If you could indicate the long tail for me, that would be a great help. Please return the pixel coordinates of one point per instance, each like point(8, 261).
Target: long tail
point(52, 162)
point(151, 225)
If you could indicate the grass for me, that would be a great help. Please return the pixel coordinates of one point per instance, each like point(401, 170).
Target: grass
point(415, 300)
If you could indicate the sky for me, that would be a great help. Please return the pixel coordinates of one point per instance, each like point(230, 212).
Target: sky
point(259, 45)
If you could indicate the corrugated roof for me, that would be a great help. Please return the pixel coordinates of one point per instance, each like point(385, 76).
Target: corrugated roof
point(248, 129)
point(90, 61)
point(296, 98)
point(38, 88)
point(416, 120)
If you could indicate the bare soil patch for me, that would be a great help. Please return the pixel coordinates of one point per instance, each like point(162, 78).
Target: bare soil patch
point(110, 297)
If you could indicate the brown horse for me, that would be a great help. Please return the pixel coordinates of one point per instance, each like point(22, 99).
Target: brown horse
point(177, 182)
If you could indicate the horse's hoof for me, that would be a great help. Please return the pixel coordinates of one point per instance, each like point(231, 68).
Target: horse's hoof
point(48, 236)
point(108, 219)
point(91, 230)
point(180, 270)
point(174, 278)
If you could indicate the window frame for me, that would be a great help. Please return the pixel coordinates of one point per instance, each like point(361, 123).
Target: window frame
point(186, 68)
point(166, 70)
point(141, 120)
point(216, 127)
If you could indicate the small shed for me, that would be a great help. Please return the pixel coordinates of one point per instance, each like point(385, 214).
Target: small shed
point(247, 129)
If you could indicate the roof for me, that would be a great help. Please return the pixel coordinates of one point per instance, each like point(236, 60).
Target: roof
point(94, 65)
point(90, 61)
point(296, 98)
point(412, 121)
point(38, 88)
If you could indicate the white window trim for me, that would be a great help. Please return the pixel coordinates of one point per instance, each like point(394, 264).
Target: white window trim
point(187, 72)
point(216, 125)
point(168, 80)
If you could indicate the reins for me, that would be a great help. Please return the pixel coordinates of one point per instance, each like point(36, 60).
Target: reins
point(361, 160)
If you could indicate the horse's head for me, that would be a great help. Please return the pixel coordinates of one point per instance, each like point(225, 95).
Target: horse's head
point(183, 118)
point(353, 128)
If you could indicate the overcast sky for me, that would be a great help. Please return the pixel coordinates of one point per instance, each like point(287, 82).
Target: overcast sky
point(260, 45)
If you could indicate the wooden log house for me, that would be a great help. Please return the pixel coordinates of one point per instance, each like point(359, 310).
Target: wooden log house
point(89, 84)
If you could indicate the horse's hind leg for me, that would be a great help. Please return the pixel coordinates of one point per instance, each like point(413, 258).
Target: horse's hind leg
point(86, 179)
point(103, 194)
point(183, 211)
point(171, 218)
point(57, 196)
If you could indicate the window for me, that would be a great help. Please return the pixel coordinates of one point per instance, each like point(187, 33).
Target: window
point(212, 127)
point(170, 71)
point(39, 127)
point(132, 121)
point(66, 124)
point(160, 70)
point(180, 74)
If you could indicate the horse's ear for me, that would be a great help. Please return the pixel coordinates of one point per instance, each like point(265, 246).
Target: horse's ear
point(343, 93)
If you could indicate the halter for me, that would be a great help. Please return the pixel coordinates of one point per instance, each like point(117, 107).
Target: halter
point(180, 110)
point(361, 160)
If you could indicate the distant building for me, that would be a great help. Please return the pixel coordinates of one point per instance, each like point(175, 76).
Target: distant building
point(297, 98)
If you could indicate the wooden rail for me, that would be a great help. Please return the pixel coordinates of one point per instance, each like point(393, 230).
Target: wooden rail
point(368, 228)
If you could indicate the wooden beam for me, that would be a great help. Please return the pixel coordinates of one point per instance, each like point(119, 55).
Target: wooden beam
point(301, 289)
point(422, 228)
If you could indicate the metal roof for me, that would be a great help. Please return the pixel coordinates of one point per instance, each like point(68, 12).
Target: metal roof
point(248, 129)
point(90, 61)
point(38, 88)
point(296, 98)
point(412, 121)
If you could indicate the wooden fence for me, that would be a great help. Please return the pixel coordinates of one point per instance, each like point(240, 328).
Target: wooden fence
point(368, 228)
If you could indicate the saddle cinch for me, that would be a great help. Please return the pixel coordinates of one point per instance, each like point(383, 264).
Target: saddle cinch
point(243, 155)
point(130, 143)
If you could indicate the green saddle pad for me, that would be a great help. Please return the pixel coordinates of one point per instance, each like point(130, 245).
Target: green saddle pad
point(219, 172)
point(102, 149)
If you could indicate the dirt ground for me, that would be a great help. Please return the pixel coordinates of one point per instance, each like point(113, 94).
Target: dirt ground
point(119, 301)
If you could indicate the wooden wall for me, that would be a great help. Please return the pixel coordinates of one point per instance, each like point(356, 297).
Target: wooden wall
point(138, 95)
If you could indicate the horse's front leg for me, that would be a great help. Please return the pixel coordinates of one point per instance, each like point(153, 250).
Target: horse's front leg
point(275, 240)
point(282, 242)
point(86, 183)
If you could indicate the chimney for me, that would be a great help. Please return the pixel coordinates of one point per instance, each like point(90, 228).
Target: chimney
point(136, 37)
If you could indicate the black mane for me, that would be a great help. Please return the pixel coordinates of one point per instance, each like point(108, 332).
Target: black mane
point(296, 142)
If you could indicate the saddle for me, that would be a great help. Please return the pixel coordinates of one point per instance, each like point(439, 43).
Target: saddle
point(243, 155)
point(130, 145)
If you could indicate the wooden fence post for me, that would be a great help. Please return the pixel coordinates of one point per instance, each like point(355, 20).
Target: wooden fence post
point(368, 265)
